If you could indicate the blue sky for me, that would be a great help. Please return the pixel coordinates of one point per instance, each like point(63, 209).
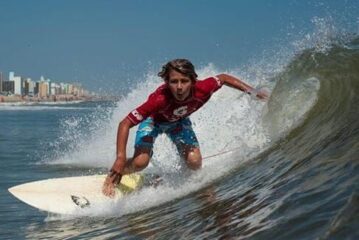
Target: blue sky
point(108, 44)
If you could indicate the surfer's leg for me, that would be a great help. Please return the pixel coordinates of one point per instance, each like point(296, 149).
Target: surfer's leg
point(187, 144)
point(139, 161)
point(145, 138)
point(192, 156)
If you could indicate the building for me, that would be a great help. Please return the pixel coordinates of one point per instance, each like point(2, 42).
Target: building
point(18, 88)
point(55, 88)
point(11, 76)
point(43, 89)
point(63, 88)
point(70, 89)
point(28, 87)
point(48, 82)
point(31, 87)
point(36, 89)
point(8, 86)
point(18, 83)
point(1, 82)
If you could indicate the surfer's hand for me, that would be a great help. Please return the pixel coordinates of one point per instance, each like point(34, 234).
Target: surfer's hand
point(112, 179)
point(108, 188)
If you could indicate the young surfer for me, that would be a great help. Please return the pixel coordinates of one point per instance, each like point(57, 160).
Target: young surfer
point(166, 111)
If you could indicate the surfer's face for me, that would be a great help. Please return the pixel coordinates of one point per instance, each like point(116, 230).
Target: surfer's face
point(180, 85)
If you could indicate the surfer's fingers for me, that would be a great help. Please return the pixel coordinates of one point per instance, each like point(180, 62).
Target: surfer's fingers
point(108, 189)
point(109, 193)
point(112, 192)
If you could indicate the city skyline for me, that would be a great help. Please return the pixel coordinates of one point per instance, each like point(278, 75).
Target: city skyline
point(43, 87)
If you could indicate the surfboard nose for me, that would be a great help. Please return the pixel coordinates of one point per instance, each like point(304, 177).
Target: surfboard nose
point(15, 190)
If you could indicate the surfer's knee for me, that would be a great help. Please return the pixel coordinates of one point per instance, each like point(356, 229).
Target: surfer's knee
point(194, 163)
point(141, 159)
point(140, 162)
point(194, 159)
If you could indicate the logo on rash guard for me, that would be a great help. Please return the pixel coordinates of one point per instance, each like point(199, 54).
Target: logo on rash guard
point(181, 111)
point(137, 115)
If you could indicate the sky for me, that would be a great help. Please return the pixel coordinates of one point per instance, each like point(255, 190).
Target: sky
point(108, 45)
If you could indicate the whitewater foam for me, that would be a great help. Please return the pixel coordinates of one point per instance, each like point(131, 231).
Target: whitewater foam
point(231, 123)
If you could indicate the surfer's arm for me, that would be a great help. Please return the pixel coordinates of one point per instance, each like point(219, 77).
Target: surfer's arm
point(115, 174)
point(236, 83)
point(122, 137)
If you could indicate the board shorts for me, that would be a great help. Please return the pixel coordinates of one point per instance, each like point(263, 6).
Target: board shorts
point(180, 132)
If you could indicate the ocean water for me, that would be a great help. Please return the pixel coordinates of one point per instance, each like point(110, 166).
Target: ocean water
point(287, 169)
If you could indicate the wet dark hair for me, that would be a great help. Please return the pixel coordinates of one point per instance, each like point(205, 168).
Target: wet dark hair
point(183, 66)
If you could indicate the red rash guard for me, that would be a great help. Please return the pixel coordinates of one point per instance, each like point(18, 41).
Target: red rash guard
point(163, 107)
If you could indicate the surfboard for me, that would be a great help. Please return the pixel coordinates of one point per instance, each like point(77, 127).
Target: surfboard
point(71, 194)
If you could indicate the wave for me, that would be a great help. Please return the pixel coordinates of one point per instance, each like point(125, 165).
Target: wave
point(312, 110)
point(287, 166)
point(311, 171)
point(240, 133)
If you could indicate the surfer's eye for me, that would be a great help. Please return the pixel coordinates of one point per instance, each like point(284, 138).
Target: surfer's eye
point(185, 80)
point(173, 81)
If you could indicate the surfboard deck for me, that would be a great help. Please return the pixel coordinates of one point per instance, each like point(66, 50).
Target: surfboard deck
point(71, 194)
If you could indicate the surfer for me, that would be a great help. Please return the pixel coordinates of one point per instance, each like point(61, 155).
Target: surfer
point(167, 111)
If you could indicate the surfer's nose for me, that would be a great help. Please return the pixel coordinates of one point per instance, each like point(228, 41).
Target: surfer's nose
point(179, 85)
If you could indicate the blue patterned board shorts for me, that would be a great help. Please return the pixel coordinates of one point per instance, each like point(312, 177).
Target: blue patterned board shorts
point(180, 132)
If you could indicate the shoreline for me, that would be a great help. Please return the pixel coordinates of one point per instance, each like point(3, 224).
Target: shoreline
point(52, 99)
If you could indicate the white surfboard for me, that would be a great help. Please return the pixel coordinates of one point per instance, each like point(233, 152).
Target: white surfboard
point(71, 194)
